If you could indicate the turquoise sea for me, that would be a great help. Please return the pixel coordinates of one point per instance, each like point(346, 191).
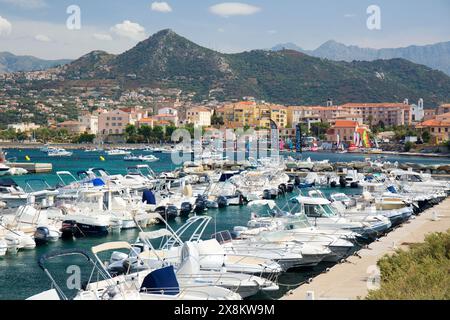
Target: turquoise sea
point(20, 276)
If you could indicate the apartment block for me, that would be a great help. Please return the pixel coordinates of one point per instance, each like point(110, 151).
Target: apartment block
point(199, 116)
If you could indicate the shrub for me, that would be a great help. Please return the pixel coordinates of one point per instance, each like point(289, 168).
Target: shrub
point(421, 273)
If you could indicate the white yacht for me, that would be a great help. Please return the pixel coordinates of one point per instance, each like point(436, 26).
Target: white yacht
point(118, 152)
point(141, 158)
point(59, 152)
point(321, 214)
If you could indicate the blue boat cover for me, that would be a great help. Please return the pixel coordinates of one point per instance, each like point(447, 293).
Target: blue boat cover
point(392, 189)
point(161, 281)
point(148, 197)
point(97, 182)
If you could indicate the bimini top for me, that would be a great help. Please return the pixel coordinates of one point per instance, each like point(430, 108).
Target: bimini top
point(111, 246)
point(309, 200)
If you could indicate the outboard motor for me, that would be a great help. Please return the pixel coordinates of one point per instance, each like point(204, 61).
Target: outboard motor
point(290, 187)
point(267, 195)
point(241, 200)
point(342, 182)
point(297, 181)
point(69, 229)
point(41, 235)
point(222, 201)
point(282, 189)
point(186, 209)
point(171, 213)
point(200, 204)
point(333, 184)
point(354, 185)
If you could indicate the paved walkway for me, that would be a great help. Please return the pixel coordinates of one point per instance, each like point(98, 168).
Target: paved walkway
point(348, 281)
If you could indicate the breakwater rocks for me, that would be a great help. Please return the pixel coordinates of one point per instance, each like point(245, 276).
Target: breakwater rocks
point(368, 167)
point(323, 166)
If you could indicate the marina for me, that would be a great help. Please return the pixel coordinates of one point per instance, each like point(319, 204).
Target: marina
point(277, 222)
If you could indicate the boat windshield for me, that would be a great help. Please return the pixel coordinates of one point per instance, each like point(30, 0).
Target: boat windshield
point(297, 222)
point(340, 197)
point(316, 210)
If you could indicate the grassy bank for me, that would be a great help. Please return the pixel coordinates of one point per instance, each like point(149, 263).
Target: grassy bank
point(421, 273)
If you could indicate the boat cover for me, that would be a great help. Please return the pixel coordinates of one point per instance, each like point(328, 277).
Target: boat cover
point(148, 197)
point(161, 281)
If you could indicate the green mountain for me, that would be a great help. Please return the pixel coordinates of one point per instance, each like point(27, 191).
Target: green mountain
point(289, 77)
point(12, 63)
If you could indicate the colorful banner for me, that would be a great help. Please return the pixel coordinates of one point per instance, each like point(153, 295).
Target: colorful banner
point(366, 140)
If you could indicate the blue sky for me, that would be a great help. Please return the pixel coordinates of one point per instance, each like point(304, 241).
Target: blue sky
point(38, 27)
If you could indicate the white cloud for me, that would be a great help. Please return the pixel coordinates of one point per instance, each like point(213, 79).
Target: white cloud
point(102, 36)
point(161, 7)
point(27, 4)
point(65, 44)
point(130, 30)
point(5, 26)
point(228, 9)
point(272, 32)
point(42, 38)
point(221, 30)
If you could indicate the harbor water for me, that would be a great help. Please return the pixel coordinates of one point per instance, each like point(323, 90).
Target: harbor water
point(20, 276)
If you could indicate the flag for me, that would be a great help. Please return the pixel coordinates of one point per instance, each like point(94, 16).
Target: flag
point(274, 135)
point(298, 138)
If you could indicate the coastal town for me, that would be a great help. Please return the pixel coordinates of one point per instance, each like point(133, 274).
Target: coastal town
point(95, 115)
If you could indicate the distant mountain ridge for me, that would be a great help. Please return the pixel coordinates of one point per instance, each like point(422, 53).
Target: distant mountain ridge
point(12, 63)
point(436, 56)
point(168, 60)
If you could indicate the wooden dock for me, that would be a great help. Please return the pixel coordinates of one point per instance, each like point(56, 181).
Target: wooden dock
point(351, 280)
point(32, 167)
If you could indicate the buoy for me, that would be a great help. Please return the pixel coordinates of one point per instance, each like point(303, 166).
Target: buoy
point(27, 158)
point(102, 158)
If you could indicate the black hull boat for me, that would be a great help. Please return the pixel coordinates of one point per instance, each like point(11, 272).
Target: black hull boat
point(73, 229)
point(68, 229)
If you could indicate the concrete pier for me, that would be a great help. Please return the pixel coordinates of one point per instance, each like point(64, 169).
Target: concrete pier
point(351, 280)
point(32, 167)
